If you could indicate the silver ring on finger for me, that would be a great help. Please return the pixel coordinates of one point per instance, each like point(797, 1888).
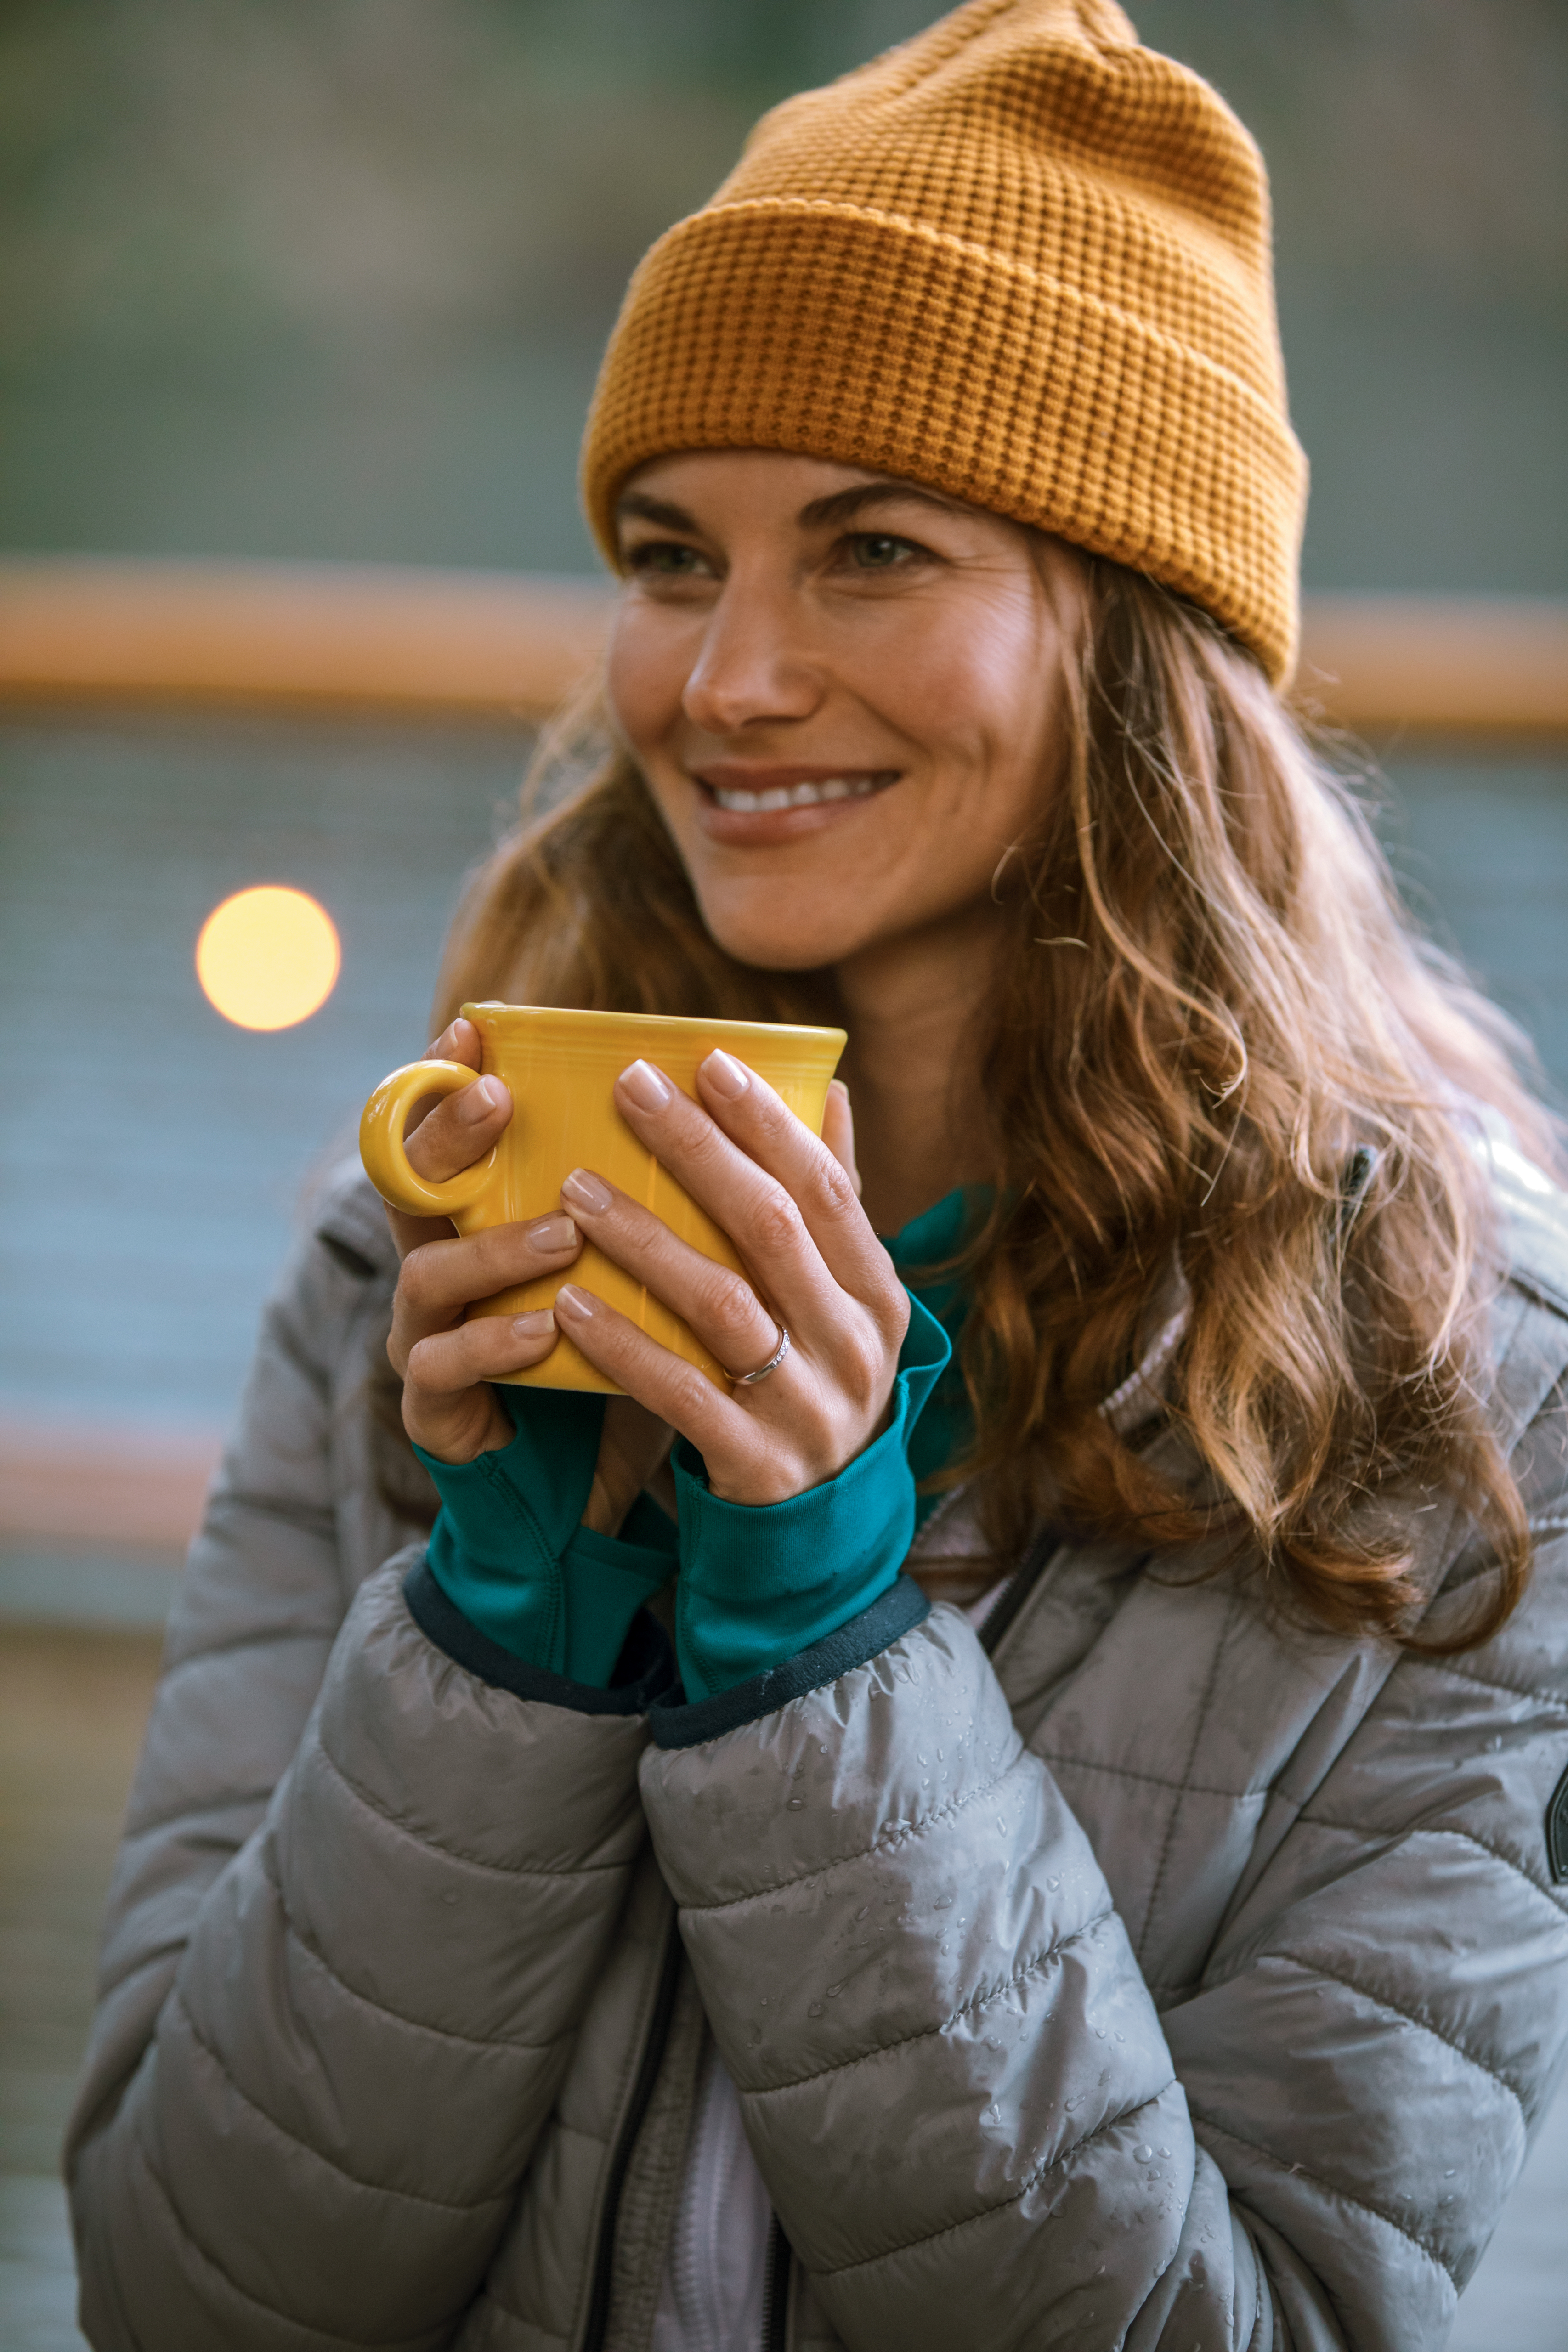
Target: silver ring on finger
point(750, 1379)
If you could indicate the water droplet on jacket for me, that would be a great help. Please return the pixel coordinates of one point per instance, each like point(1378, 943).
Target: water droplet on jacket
point(1144, 2153)
point(1068, 2104)
point(1164, 2151)
point(815, 2009)
point(942, 1756)
point(1053, 1884)
point(834, 1992)
point(1001, 1824)
point(862, 1911)
point(796, 1805)
point(919, 1758)
point(1100, 2032)
point(1121, 2037)
point(942, 1903)
point(1451, 2172)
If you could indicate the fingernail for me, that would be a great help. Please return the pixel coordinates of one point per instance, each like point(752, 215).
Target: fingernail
point(479, 1101)
point(725, 1075)
point(552, 1233)
point(586, 1193)
point(533, 1326)
point(649, 1088)
point(575, 1301)
point(838, 1087)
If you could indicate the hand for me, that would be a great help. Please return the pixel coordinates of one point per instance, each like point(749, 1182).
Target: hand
point(446, 1362)
point(790, 1206)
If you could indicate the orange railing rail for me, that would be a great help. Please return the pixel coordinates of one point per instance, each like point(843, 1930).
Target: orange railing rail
point(400, 643)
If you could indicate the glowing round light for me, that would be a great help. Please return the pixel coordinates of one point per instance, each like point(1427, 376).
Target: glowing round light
point(267, 958)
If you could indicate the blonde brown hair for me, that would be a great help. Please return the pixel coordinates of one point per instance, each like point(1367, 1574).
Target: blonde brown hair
point(1217, 1042)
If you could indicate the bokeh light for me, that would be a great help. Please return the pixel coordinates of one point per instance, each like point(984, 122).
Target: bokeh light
point(268, 956)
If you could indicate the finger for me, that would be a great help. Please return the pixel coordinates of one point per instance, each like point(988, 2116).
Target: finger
point(719, 1303)
point(448, 1406)
point(780, 1194)
point(460, 1129)
point(444, 1135)
point(442, 1278)
point(663, 1382)
point(838, 1131)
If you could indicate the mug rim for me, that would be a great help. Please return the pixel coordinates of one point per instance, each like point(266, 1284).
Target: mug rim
point(785, 1030)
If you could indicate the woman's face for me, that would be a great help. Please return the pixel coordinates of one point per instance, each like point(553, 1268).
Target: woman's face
point(842, 689)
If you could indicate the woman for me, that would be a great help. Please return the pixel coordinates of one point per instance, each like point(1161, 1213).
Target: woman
point(632, 1914)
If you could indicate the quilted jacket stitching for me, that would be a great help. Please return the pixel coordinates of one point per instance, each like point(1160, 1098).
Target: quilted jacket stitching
point(1199, 1721)
point(1207, 2125)
point(1467, 1837)
point(896, 1837)
point(313, 1953)
point(455, 1854)
point(1365, 1992)
point(1544, 1693)
point(1062, 1759)
point(253, 2303)
point(977, 2002)
point(984, 2212)
point(329, 2164)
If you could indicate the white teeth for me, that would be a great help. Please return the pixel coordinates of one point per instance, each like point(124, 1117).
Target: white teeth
point(778, 796)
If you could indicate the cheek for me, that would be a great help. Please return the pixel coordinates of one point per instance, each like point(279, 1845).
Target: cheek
point(646, 676)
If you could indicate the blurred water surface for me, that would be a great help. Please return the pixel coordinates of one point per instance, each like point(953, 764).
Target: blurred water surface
point(155, 1160)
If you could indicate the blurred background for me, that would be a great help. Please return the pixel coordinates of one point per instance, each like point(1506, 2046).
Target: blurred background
point(325, 281)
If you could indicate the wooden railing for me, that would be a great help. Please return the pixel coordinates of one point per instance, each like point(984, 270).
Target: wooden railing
point(400, 643)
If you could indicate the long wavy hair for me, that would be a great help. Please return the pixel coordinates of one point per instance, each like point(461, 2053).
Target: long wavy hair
point(1216, 1043)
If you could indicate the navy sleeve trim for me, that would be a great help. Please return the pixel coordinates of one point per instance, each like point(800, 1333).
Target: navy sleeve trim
point(645, 1671)
point(893, 1614)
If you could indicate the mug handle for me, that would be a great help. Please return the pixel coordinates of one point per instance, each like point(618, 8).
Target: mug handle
point(381, 1143)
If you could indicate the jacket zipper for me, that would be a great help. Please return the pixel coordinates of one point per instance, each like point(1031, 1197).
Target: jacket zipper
point(775, 2289)
point(642, 2092)
point(775, 2293)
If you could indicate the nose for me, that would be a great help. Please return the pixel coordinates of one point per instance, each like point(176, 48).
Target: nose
point(756, 664)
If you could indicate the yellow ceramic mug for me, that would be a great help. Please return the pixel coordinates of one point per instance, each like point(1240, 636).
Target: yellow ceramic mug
point(561, 1068)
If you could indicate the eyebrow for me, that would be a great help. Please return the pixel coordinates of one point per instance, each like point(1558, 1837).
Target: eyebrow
point(838, 506)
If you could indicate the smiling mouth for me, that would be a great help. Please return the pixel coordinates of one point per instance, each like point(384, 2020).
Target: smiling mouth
point(815, 794)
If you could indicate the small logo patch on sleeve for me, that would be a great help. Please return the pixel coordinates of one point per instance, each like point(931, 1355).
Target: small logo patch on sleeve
point(1557, 1831)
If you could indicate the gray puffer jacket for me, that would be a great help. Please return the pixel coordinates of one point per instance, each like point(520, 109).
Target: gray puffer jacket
point(1148, 1974)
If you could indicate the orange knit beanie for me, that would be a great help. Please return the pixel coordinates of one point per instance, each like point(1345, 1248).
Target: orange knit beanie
point(1022, 259)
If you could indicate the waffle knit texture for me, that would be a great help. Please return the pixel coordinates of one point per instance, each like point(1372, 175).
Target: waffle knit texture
point(1021, 259)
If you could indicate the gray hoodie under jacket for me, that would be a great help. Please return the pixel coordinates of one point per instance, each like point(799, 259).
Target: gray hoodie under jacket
point(1148, 1974)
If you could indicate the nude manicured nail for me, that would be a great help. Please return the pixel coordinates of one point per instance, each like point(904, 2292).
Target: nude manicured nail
point(479, 1101)
point(586, 1193)
point(534, 1326)
point(725, 1075)
point(649, 1088)
point(552, 1233)
point(574, 1301)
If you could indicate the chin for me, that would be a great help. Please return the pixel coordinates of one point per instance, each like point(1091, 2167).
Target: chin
point(769, 945)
